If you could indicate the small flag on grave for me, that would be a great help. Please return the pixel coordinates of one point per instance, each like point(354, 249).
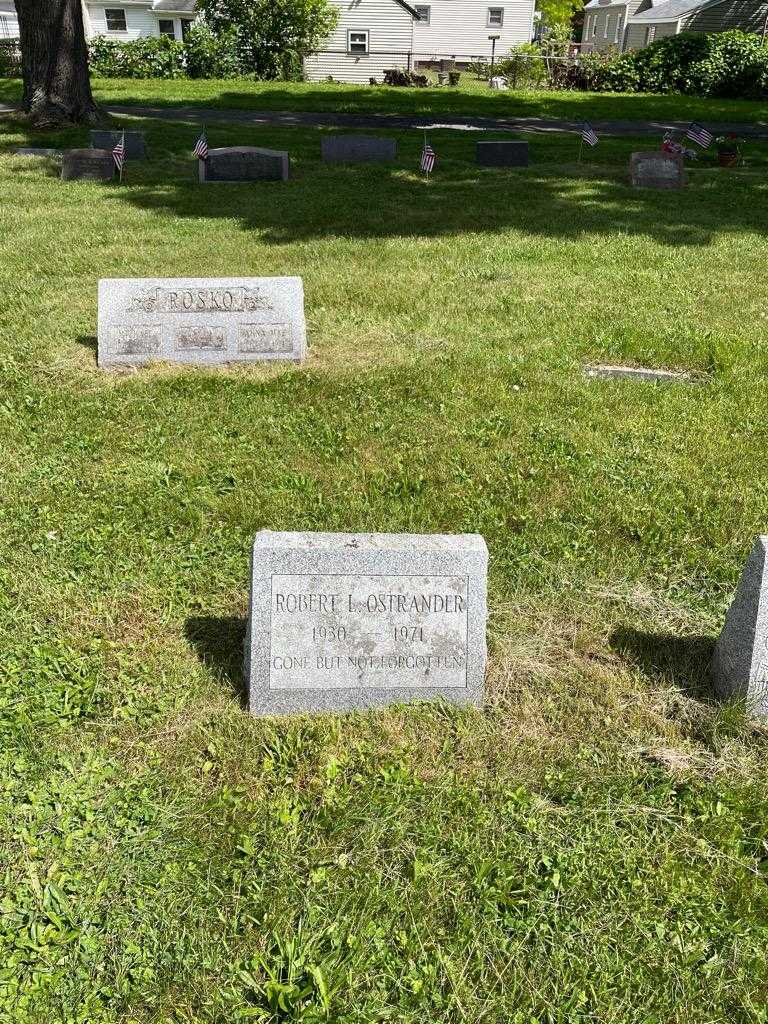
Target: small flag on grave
point(428, 158)
point(699, 134)
point(118, 155)
point(201, 147)
point(589, 135)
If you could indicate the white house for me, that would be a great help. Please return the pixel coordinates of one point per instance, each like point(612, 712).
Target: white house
point(370, 36)
point(9, 23)
point(133, 19)
point(462, 28)
point(373, 35)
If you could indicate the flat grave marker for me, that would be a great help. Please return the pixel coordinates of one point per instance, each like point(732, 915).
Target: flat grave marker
point(135, 145)
point(502, 154)
point(351, 621)
point(657, 169)
point(205, 321)
point(605, 371)
point(357, 149)
point(88, 165)
point(229, 164)
point(48, 154)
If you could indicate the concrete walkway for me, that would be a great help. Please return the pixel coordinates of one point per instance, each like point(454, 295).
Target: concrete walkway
point(285, 119)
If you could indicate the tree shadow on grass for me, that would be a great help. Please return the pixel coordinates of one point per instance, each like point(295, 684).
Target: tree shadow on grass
point(219, 641)
point(679, 661)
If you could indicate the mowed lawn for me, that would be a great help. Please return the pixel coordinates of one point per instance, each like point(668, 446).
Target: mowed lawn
point(471, 98)
point(590, 847)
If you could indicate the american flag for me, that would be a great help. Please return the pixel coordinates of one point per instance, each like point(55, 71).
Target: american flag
point(589, 135)
point(699, 134)
point(201, 147)
point(428, 158)
point(118, 154)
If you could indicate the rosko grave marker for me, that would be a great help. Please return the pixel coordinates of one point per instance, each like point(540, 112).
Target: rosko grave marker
point(201, 320)
point(349, 621)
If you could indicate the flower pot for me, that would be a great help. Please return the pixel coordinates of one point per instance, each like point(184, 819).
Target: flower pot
point(728, 159)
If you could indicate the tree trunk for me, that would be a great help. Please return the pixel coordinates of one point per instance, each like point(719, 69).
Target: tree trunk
point(54, 61)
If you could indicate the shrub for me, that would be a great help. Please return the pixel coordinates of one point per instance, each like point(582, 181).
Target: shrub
point(152, 57)
point(605, 72)
point(10, 59)
point(212, 55)
point(523, 66)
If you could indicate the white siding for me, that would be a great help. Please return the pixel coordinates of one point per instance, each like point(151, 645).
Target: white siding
point(390, 29)
point(9, 23)
point(461, 27)
point(139, 21)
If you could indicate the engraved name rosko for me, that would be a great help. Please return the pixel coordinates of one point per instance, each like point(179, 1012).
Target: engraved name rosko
point(384, 632)
point(203, 321)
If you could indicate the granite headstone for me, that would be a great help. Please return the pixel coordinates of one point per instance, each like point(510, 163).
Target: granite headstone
point(88, 165)
point(200, 320)
point(244, 163)
point(656, 169)
point(135, 146)
point(357, 149)
point(740, 663)
point(349, 621)
point(502, 154)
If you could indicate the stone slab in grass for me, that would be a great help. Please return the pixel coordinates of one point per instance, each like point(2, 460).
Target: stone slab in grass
point(740, 663)
point(230, 164)
point(605, 371)
point(205, 321)
point(49, 154)
point(657, 169)
point(340, 621)
point(88, 165)
point(135, 145)
point(502, 154)
point(357, 149)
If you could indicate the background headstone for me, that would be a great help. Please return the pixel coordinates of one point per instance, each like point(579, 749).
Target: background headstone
point(357, 149)
point(245, 163)
point(87, 165)
point(740, 663)
point(135, 146)
point(201, 320)
point(348, 621)
point(50, 154)
point(656, 169)
point(502, 154)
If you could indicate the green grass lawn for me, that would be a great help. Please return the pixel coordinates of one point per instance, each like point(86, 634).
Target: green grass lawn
point(592, 846)
point(472, 98)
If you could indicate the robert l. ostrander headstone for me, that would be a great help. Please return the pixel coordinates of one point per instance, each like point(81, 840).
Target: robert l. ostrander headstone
point(656, 169)
point(740, 664)
point(346, 621)
point(231, 164)
point(201, 320)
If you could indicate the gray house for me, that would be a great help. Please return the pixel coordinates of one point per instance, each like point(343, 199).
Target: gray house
point(633, 25)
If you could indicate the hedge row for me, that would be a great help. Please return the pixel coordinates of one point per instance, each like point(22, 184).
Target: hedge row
point(10, 59)
point(201, 55)
point(723, 65)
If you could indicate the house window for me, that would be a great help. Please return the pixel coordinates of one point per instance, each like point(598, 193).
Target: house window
point(650, 34)
point(619, 20)
point(186, 25)
point(424, 12)
point(495, 17)
point(357, 42)
point(607, 27)
point(115, 19)
point(166, 28)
